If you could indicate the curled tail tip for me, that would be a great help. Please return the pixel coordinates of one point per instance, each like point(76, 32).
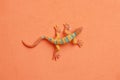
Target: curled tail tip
point(22, 42)
point(28, 46)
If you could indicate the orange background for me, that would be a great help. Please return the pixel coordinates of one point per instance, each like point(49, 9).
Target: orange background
point(98, 59)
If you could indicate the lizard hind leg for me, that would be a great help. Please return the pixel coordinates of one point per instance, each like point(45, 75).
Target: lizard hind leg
point(55, 53)
point(57, 32)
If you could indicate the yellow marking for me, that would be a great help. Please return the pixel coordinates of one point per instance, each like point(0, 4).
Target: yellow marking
point(63, 39)
point(74, 41)
point(52, 40)
point(57, 35)
point(69, 37)
point(58, 41)
point(58, 47)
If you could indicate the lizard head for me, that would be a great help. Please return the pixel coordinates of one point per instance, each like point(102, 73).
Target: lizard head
point(78, 30)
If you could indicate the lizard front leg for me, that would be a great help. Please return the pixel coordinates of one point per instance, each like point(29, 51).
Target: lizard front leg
point(67, 29)
point(55, 54)
point(77, 42)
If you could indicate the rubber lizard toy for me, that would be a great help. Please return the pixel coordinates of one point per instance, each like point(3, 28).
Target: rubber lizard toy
point(57, 41)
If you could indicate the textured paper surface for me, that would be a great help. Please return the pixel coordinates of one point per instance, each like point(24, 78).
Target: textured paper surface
point(98, 59)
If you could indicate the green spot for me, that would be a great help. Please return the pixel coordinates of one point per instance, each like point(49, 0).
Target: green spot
point(66, 39)
point(61, 41)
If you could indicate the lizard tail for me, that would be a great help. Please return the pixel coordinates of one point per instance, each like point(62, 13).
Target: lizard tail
point(34, 44)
